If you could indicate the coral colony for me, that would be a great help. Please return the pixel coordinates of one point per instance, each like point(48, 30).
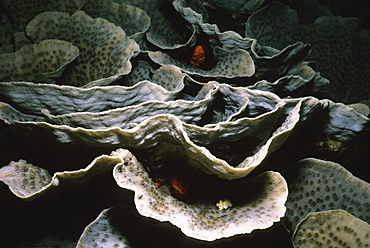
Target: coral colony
point(206, 120)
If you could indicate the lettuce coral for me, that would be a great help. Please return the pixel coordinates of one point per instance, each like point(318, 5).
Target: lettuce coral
point(105, 49)
point(134, 21)
point(203, 220)
point(338, 47)
point(22, 12)
point(317, 185)
point(38, 62)
point(160, 109)
point(328, 228)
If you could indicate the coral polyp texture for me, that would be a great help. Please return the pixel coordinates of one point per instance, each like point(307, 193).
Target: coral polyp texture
point(134, 21)
point(105, 49)
point(340, 59)
point(28, 181)
point(317, 185)
point(204, 219)
point(334, 228)
point(102, 231)
point(24, 179)
point(186, 123)
point(22, 12)
point(39, 62)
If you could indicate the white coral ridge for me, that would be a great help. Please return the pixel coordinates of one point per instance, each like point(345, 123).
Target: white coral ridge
point(223, 205)
point(202, 220)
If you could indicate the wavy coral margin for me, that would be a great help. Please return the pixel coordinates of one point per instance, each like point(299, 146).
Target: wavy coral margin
point(204, 221)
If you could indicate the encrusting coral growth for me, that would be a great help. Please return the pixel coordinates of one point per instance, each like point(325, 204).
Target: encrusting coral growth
point(214, 132)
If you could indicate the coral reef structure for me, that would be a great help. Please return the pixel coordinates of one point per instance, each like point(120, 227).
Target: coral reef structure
point(183, 123)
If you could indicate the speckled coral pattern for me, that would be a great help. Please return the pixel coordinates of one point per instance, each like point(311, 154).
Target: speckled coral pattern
point(166, 30)
point(22, 11)
point(235, 131)
point(203, 221)
point(102, 232)
point(6, 35)
point(169, 77)
point(335, 228)
point(133, 20)
point(339, 47)
point(318, 185)
point(39, 62)
point(141, 70)
point(23, 178)
point(29, 181)
point(104, 48)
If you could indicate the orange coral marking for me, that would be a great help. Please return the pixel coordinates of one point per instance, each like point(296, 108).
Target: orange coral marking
point(178, 185)
point(198, 56)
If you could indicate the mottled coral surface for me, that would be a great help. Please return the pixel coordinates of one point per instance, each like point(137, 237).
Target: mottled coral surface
point(211, 115)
